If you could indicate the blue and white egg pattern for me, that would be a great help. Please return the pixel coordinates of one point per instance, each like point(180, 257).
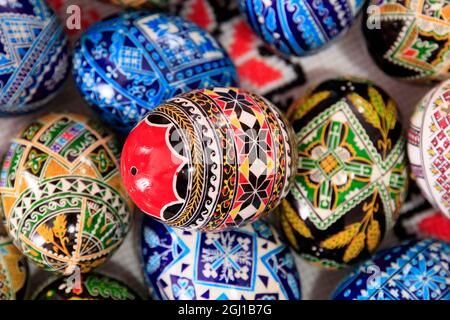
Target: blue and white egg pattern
point(415, 270)
point(128, 64)
point(300, 27)
point(249, 263)
point(33, 55)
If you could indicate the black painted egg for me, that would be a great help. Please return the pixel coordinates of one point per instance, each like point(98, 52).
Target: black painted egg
point(351, 173)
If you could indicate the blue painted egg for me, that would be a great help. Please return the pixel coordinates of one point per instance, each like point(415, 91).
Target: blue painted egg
point(415, 270)
point(130, 63)
point(300, 27)
point(33, 55)
point(250, 263)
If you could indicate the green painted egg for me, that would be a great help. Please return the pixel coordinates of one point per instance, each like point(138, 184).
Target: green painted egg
point(62, 197)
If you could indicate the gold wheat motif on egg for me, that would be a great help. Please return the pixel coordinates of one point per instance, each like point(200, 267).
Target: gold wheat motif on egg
point(380, 115)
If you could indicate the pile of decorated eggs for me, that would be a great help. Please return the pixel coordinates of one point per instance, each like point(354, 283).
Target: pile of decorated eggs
point(351, 172)
point(63, 200)
point(409, 40)
point(250, 263)
point(428, 146)
point(228, 160)
point(128, 64)
point(300, 27)
point(410, 271)
point(33, 55)
point(13, 270)
point(92, 287)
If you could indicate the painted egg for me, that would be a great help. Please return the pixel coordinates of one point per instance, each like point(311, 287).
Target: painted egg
point(92, 287)
point(407, 40)
point(63, 200)
point(300, 27)
point(250, 263)
point(33, 55)
point(216, 159)
point(129, 64)
point(351, 173)
point(410, 271)
point(428, 146)
point(13, 270)
point(80, 14)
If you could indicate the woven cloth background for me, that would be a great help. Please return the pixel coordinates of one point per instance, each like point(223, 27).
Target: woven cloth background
point(347, 56)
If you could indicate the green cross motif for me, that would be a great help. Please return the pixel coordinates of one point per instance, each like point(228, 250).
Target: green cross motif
point(35, 161)
point(331, 165)
point(397, 180)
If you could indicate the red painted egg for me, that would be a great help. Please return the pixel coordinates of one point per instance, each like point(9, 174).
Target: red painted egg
point(209, 159)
